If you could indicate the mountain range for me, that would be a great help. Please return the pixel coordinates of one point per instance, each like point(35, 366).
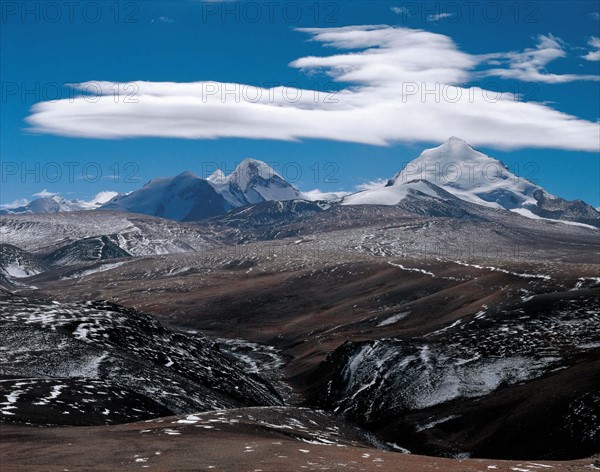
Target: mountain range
point(59, 204)
point(187, 197)
point(52, 204)
point(448, 172)
point(418, 312)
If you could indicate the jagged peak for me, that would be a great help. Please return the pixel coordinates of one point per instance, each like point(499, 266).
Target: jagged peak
point(254, 164)
point(250, 168)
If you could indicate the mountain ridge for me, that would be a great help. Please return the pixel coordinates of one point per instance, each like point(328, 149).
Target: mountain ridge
point(59, 204)
point(452, 170)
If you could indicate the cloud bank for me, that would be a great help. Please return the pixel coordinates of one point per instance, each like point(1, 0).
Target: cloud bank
point(594, 54)
point(45, 194)
point(19, 202)
point(399, 85)
point(529, 65)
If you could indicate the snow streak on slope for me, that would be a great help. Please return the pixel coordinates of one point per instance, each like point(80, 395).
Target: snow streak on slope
point(16, 263)
point(129, 350)
point(471, 357)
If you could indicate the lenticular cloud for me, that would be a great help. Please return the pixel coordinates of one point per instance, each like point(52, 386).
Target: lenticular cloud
point(397, 84)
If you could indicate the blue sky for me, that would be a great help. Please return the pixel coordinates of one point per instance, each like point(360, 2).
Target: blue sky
point(189, 41)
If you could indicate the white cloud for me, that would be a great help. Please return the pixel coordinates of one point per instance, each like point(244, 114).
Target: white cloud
point(390, 72)
point(103, 197)
point(439, 16)
point(96, 201)
point(44, 194)
point(594, 55)
point(400, 10)
point(372, 184)
point(595, 15)
point(19, 202)
point(316, 194)
point(529, 65)
point(163, 19)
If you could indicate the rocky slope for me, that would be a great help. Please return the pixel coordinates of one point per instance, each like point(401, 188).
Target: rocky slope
point(98, 248)
point(455, 384)
point(99, 363)
point(16, 263)
point(138, 235)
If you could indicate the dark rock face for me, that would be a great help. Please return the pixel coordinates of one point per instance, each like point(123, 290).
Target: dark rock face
point(264, 221)
point(559, 209)
point(483, 386)
point(445, 205)
point(74, 402)
point(85, 250)
point(144, 369)
point(5, 284)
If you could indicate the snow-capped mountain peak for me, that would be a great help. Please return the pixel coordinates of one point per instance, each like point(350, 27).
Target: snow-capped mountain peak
point(253, 181)
point(246, 173)
point(462, 171)
point(470, 175)
point(184, 197)
point(454, 148)
point(217, 177)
